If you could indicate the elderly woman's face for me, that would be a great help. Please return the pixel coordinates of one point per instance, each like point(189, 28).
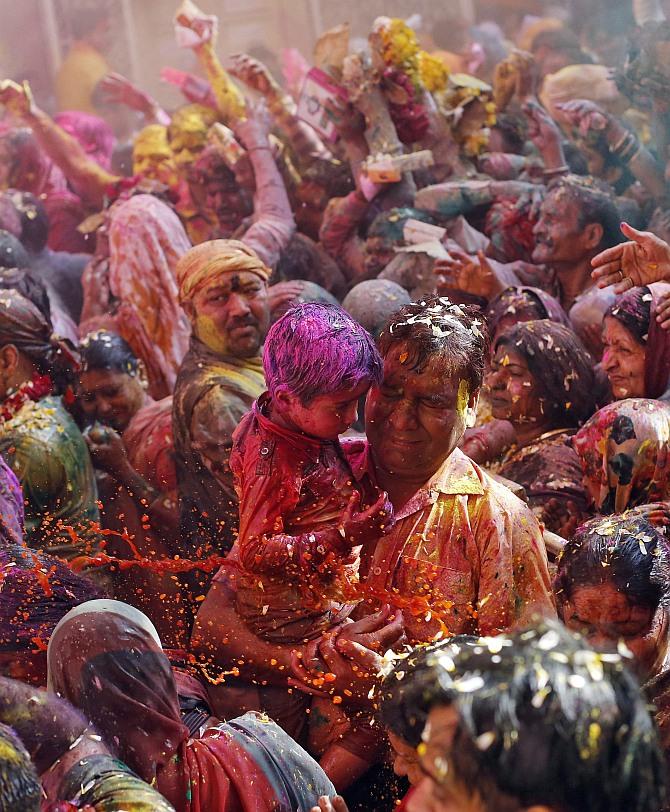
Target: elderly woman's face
point(623, 360)
point(514, 392)
point(605, 616)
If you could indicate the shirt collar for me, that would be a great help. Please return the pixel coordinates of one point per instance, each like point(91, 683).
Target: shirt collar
point(457, 476)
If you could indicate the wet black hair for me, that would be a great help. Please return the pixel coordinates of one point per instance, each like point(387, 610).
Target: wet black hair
point(436, 328)
point(103, 350)
point(625, 551)
point(544, 720)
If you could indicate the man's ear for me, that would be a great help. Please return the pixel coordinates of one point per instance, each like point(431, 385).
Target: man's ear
point(283, 397)
point(188, 308)
point(593, 235)
point(9, 360)
point(471, 410)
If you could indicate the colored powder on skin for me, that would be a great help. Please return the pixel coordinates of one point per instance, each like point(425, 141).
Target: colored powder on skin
point(463, 397)
point(210, 335)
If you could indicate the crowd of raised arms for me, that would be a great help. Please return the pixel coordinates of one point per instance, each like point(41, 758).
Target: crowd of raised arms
point(335, 421)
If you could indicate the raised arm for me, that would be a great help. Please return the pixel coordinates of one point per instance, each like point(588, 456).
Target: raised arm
point(117, 89)
point(203, 28)
point(304, 140)
point(273, 224)
point(87, 178)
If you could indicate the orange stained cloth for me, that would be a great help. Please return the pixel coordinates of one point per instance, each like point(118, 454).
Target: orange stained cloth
point(464, 545)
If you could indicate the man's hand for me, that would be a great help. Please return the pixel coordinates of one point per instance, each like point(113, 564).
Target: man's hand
point(106, 449)
point(116, 89)
point(468, 274)
point(345, 662)
point(643, 260)
point(254, 74)
point(253, 132)
point(542, 129)
point(203, 26)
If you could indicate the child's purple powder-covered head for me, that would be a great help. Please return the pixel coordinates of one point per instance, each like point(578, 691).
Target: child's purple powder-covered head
point(316, 349)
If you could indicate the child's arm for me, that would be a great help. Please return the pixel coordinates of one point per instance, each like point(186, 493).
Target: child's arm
point(263, 545)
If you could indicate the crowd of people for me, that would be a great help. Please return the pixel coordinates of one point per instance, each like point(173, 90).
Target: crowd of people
point(335, 445)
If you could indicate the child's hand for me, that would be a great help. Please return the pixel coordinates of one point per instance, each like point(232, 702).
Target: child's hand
point(361, 526)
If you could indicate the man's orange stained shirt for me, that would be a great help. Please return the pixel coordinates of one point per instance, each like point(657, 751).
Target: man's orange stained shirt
point(464, 551)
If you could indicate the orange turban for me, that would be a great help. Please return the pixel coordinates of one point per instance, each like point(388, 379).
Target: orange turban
point(204, 264)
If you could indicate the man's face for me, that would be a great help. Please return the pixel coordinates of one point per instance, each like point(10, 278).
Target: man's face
point(378, 253)
point(559, 239)
point(232, 315)
point(416, 418)
point(154, 162)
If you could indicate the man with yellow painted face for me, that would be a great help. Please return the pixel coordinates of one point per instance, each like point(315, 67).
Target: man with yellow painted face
point(152, 156)
point(223, 290)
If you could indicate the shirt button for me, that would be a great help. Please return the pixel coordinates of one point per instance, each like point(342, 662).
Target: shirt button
point(265, 451)
point(376, 570)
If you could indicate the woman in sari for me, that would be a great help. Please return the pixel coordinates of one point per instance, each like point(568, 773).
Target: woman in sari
point(624, 452)
point(129, 436)
point(38, 438)
point(26, 167)
point(637, 348)
point(109, 663)
point(130, 287)
point(542, 381)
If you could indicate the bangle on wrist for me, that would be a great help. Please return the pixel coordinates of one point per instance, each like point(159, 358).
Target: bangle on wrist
point(559, 170)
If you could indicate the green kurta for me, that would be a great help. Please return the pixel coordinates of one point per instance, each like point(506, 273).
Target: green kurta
point(45, 449)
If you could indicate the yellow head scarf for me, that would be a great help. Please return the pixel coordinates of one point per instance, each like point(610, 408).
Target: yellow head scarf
point(206, 263)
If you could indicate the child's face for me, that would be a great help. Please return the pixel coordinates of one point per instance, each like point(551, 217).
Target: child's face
point(327, 416)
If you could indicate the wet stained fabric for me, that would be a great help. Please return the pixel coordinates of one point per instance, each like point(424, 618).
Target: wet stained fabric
point(293, 491)
point(548, 468)
point(44, 447)
point(624, 450)
point(464, 550)
point(146, 239)
point(111, 666)
point(211, 396)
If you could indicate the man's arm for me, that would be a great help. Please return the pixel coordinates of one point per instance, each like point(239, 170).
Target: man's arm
point(222, 639)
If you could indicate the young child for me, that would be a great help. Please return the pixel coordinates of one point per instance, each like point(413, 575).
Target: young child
point(302, 517)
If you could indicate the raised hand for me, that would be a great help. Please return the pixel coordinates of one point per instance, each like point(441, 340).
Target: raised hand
point(472, 275)
point(254, 74)
point(117, 89)
point(106, 449)
point(542, 129)
point(253, 132)
point(643, 260)
point(584, 116)
point(18, 99)
point(348, 120)
point(203, 26)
